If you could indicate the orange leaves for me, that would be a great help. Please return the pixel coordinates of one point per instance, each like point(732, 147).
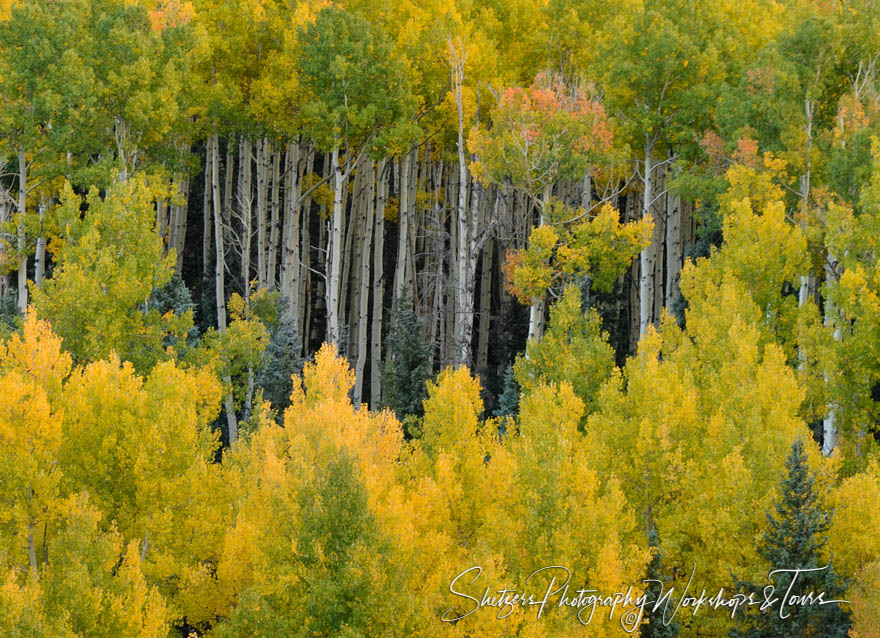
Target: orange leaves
point(540, 133)
point(170, 13)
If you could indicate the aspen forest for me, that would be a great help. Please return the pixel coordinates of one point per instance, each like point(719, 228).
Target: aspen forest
point(439, 318)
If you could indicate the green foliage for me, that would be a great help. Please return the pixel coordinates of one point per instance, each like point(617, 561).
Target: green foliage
point(108, 264)
point(574, 349)
point(794, 540)
point(353, 88)
point(408, 365)
point(281, 359)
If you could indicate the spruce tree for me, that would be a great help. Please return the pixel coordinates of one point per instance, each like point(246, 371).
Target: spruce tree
point(409, 362)
point(794, 539)
point(656, 627)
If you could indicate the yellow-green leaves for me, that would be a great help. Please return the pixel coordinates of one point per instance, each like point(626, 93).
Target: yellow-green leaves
point(108, 263)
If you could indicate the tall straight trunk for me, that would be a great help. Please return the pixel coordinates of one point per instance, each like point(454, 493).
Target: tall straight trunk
point(180, 222)
point(22, 210)
point(4, 216)
point(219, 271)
point(659, 241)
point(334, 251)
point(245, 200)
point(207, 222)
point(262, 197)
point(305, 274)
point(463, 328)
point(272, 258)
point(673, 246)
point(538, 307)
point(364, 291)
point(485, 302)
point(378, 285)
point(400, 272)
point(40, 252)
point(804, 292)
point(163, 222)
point(347, 289)
point(646, 270)
point(830, 434)
point(290, 253)
point(228, 172)
point(219, 256)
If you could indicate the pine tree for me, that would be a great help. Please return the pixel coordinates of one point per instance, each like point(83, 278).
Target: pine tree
point(656, 627)
point(409, 362)
point(794, 540)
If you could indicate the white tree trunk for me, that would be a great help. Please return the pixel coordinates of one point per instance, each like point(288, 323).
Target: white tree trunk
point(334, 252)
point(271, 259)
point(40, 253)
point(290, 255)
point(22, 210)
point(830, 434)
point(219, 272)
point(646, 269)
point(245, 199)
point(364, 292)
point(538, 307)
point(400, 272)
point(485, 303)
point(673, 247)
point(378, 286)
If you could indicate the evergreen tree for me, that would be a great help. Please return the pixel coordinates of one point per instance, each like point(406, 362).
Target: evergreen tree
point(656, 627)
point(281, 359)
point(794, 540)
point(409, 362)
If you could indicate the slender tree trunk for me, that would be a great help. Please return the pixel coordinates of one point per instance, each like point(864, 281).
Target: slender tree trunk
point(180, 218)
point(305, 278)
point(378, 286)
point(272, 257)
point(262, 196)
point(646, 270)
point(22, 210)
point(347, 287)
point(228, 174)
point(219, 273)
point(830, 434)
point(400, 272)
point(207, 223)
point(659, 242)
point(40, 253)
point(673, 247)
point(364, 293)
point(485, 303)
point(4, 216)
point(538, 307)
point(334, 251)
point(290, 255)
point(219, 259)
point(245, 199)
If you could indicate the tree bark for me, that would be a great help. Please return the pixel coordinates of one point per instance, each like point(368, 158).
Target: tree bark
point(334, 251)
point(485, 304)
point(271, 259)
point(400, 272)
point(378, 285)
point(673, 247)
point(646, 270)
point(364, 288)
point(219, 273)
point(538, 307)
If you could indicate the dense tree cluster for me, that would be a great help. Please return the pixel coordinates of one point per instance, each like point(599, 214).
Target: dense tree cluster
point(307, 307)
